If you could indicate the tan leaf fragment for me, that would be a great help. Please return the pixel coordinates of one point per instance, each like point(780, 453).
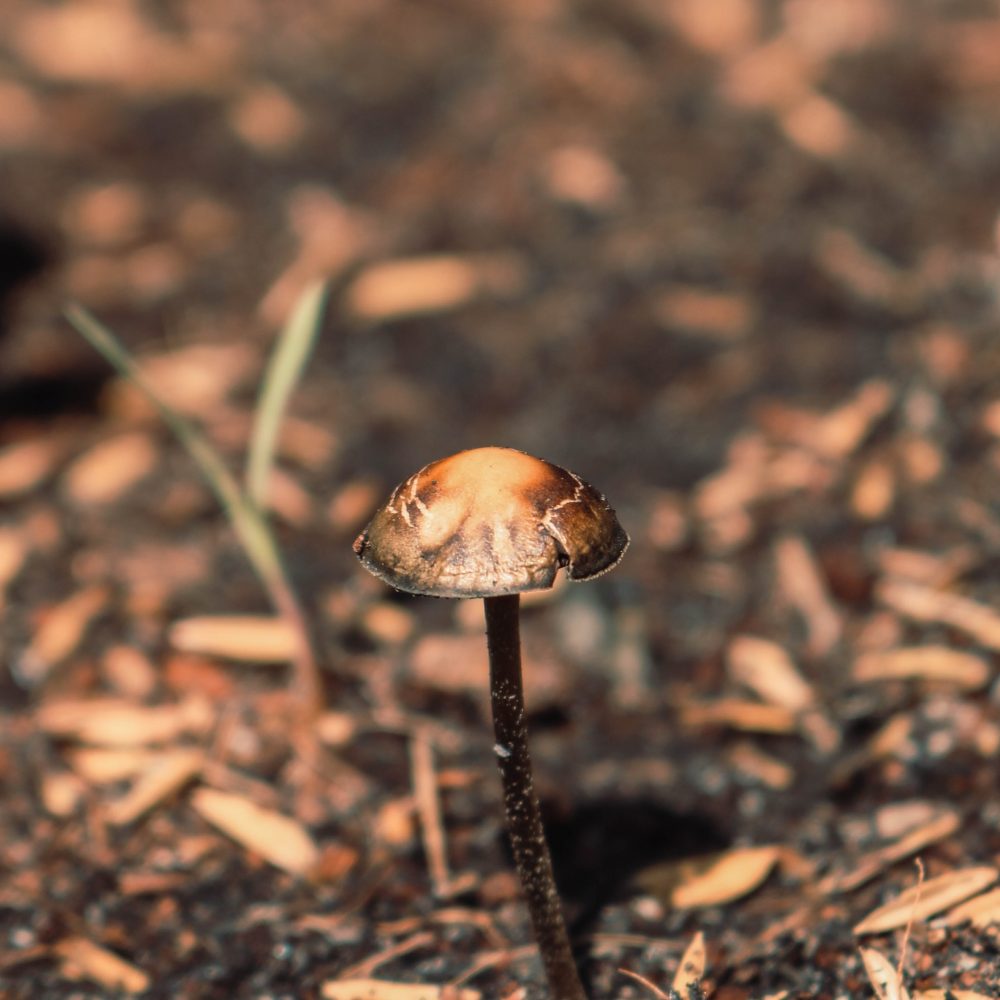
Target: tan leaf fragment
point(379, 989)
point(82, 959)
point(13, 554)
point(932, 663)
point(24, 465)
point(925, 604)
point(431, 284)
point(118, 723)
point(109, 469)
point(107, 765)
point(981, 911)
point(168, 775)
point(767, 670)
point(933, 896)
point(942, 825)
point(951, 995)
point(61, 793)
point(278, 839)
point(727, 877)
point(245, 638)
point(692, 967)
point(61, 631)
point(804, 588)
point(746, 716)
point(883, 975)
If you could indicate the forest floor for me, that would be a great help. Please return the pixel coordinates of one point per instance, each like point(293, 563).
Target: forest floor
point(735, 262)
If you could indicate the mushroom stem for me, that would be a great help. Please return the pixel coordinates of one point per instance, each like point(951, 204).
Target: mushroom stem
point(524, 818)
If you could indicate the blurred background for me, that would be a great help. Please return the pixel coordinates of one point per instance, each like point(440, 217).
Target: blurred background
point(735, 262)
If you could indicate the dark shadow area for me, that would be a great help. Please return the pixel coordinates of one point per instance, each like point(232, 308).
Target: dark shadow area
point(598, 849)
point(23, 257)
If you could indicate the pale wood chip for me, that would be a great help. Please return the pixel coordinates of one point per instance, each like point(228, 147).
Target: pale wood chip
point(874, 490)
point(925, 604)
point(129, 671)
point(583, 175)
point(380, 989)
point(422, 285)
point(842, 431)
point(353, 504)
point(863, 271)
point(278, 839)
point(964, 670)
point(82, 959)
point(746, 716)
point(62, 630)
point(692, 967)
point(26, 464)
point(720, 316)
point(61, 793)
point(168, 775)
point(949, 994)
point(717, 27)
point(711, 880)
point(767, 670)
point(289, 499)
point(109, 469)
point(933, 569)
point(13, 555)
point(750, 760)
point(867, 867)
point(803, 588)
point(981, 911)
point(108, 765)
point(245, 638)
point(115, 722)
point(883, 976)
point(925, 900)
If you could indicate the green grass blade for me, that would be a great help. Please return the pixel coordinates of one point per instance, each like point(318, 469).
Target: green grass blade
point(294, 346)
point(245, 518)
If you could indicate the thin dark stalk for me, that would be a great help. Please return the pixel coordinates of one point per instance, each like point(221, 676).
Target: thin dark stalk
point(524, 818)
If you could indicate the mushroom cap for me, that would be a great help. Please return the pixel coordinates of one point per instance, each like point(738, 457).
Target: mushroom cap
point(487, 522)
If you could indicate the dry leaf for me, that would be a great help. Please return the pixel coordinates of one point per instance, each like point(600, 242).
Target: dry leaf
point(170, 773)
point(692, 967)
point(110, 468)
point(951, 995)
point(279, 839)
point(392, 289)
point(24, 465)
point(767, 670)
point(747, 716)
point(883, 975)
point(922, 901)
point(933, 663)
point(981, 911)
point(115, 722)
point(925, 604)
point(710, 880)
point(82, 959)
point(378, 989)
point(61, 631)
point(247, 638)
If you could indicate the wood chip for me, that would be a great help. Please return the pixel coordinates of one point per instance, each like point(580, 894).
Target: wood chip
point(925, 604)
point(108, 765)
point(933, 896)
point(245, 638)
point(963, 670)
point(278, 839)
point(746, 716)
point(884, 976)
point(115, 722)
point(767, 670)
point(106, 472)
point(13, 555)
point(167, 776)
point(942, 825)
point(25, 465)
point(719, 316)
point(711, 880)
point(61, 631)
point(980, 912)
point(379, 989)
point(82, 959)
point(874, 490)
point(842, 431)
point(803, 587)
point(951, 995)
point(692, 968)
point(432, 284)
point(61, 793)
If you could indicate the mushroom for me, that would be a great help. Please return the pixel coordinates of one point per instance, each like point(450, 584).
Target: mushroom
point(491, 523)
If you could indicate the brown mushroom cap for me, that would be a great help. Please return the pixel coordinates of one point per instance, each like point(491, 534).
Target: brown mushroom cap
point(487, 522)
